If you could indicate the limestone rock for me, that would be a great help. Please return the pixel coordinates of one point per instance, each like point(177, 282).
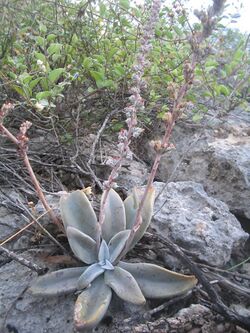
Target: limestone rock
point(132, 173)
point(217, 155)
point(202, 224)
point(10, 220)
point(21, 312)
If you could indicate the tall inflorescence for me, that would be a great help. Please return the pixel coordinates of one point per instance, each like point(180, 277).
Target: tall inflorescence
point(177, 93)
point(209, 18)
point(136, 103)
point(6, 107)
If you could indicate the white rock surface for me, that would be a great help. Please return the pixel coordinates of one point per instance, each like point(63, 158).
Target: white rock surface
point(215, 153)
point(197, 222)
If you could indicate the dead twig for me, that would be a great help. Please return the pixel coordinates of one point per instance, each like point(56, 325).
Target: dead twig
point(21, 142)
point(45, 231)
point(34, 267)
point(217, 303)
point(192, 144)
point(98, 135)
point(148, 314)
point(34, 220)
point(224, 271)
point(17, 233)
point(227, 284)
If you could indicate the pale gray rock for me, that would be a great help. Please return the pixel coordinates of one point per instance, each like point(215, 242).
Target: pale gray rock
point(11, 219)
point(215, 153)
point(202, 224)
point(241, 309)
point(9, 223)
point(53, 202)
point(132, 173)
point(22, 312)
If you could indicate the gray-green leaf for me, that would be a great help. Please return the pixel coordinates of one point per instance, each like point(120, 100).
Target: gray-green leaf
point(124, 285)
point(103, 251)
point(60, 282)
point(117, 244)
point(158, 282)
point(77, 212)
point(91, 305)
point(131, 205)
point(89, 275)
point(83, 246)
point(114, 212)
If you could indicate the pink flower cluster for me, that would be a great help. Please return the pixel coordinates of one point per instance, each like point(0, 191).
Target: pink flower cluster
point(136, 101)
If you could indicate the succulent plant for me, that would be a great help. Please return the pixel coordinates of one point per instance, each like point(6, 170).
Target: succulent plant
point(105, 273)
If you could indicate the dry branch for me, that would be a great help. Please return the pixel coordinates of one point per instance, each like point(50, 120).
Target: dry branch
point(217, 303)
point(23, 261)
point(21, 142)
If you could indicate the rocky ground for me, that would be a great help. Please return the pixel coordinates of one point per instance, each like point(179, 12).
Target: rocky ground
point(203, 195)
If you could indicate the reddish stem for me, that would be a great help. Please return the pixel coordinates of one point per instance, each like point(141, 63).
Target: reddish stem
point(9, 134)
point(39, 191)
point(34, 180)
point(138, 219)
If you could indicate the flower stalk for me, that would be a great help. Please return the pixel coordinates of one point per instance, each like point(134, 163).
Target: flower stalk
point(177, 95)
point(136, 105)
point(21, 141)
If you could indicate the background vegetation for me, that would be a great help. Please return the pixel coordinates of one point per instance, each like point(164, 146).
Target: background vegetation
point(66, 65)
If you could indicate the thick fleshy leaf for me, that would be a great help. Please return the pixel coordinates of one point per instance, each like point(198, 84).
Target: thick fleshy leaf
point(124, 285)
point(117, 244)
point(115, 219)
point(103, 251)
point(89, 275)
point(158, 282)
point(60, 282)
point(107, 265)
point(77, 212)
point(83, 246)
point(91, 305)
point(131, 205)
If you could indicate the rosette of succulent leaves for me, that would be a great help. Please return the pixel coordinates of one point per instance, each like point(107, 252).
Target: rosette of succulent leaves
point(104, 272)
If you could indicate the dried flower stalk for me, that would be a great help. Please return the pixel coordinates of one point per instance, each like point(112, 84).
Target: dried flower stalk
point(21, 141)
point(136, 105)
point(177, 94)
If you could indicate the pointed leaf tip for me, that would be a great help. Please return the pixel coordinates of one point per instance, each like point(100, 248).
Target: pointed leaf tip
point(89, 275)
point(103, 251)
